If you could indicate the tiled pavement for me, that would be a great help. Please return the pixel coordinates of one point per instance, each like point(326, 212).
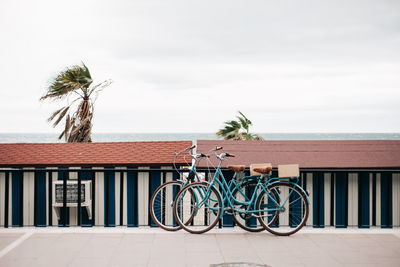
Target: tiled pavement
point(154, 247)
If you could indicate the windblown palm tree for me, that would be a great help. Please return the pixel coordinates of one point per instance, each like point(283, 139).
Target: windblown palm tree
point(238, 129)
point(75, 81)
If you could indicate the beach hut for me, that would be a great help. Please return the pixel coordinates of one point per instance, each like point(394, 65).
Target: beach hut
point(350, 183)
point(116, 181)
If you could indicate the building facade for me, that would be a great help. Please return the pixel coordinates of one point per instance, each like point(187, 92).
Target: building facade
point(350, 183)
point(119, 177)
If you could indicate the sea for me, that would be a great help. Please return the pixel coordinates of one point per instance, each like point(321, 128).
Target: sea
point(129, 137)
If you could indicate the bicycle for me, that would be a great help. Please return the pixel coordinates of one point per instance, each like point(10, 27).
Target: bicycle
point(247, 185)
point(270, 199)
point(161, 202)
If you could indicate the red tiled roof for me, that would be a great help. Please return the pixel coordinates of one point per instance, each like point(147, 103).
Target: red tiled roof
point(91, 154)
point(310, 154)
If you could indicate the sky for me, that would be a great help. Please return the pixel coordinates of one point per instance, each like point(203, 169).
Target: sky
point(188, 66)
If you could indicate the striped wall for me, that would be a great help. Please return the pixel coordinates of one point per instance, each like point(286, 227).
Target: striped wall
point(339, 199)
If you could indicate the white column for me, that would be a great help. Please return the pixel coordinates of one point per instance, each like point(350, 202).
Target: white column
point(2, 194)
point(143, 196)
point(73, 211)
point(28, 197)
point(396, 199)
point(99, 176)
point(169, 198)
point(55, 178)
point(284, 216)
point(309, 188)
point(199, 218)
point(353, 199)
point(327, 198)
point(378, 199)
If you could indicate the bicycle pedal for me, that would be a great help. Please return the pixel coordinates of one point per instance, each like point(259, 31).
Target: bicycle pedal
point(228, 211)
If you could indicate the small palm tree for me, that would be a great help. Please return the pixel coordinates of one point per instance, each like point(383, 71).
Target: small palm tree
point(74, 81)
point(238, 129)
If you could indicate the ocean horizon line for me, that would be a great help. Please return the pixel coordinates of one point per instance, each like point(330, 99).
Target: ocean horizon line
point(130, 137)
point(159, 132)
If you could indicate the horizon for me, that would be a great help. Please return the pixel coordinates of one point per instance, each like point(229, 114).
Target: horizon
point(55, 133)
point(138, 137)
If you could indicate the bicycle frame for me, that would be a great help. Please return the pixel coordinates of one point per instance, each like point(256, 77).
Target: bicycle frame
point(229, 200)
point(263, 197)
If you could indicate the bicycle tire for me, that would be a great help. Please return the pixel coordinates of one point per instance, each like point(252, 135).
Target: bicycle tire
point(207, 209)
point(160, 211)
point(290, 224)
point(238, 218)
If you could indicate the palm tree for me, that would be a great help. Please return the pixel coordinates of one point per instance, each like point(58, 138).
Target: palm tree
point(238, 129)
point(74, 81)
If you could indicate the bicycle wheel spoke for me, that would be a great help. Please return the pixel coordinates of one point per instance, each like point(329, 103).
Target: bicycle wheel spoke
point(241, 199)
point(161, 205)
point(251, 223)
point(197, 207)
point(293, 209)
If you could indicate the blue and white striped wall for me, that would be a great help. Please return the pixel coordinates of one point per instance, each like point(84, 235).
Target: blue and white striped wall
point(339, 199)
point(360, 199)
point(121, 197)
point(349, 199)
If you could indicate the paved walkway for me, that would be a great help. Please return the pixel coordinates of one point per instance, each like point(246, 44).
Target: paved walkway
point(154, 247)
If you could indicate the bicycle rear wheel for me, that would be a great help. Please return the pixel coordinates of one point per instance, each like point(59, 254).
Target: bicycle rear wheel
point(247, 221)
point(292, 208)
point(162, 203)
point(201, 214)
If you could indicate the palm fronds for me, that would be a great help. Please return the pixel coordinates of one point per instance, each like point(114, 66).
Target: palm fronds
point(67, 81)
point(61, 116)
point(55, 113)
point(244, 121)
point(99, 87)
point(232, 129)
point(76, 79)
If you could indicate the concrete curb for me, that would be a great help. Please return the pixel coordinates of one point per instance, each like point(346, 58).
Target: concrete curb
point(151, 230)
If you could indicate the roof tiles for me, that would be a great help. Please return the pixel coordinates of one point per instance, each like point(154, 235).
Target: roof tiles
point(310, 154)
point(91, 154)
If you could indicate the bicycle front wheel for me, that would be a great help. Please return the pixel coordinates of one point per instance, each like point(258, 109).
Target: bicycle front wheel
point(248, 221)
point(162, 203)
point(292, 209)
point(197, 207)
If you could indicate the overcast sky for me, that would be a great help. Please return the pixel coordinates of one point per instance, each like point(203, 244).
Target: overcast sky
point(188, 66)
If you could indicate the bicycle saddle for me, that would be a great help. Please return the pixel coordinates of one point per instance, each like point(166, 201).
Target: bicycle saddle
point(263, 170)
point(237, 168)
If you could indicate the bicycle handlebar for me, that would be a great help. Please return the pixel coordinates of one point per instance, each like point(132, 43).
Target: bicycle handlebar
point(190, 148)
point(186, 149)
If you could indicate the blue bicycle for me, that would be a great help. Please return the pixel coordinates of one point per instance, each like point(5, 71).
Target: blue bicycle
point(162, 200)
point(280, 204)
